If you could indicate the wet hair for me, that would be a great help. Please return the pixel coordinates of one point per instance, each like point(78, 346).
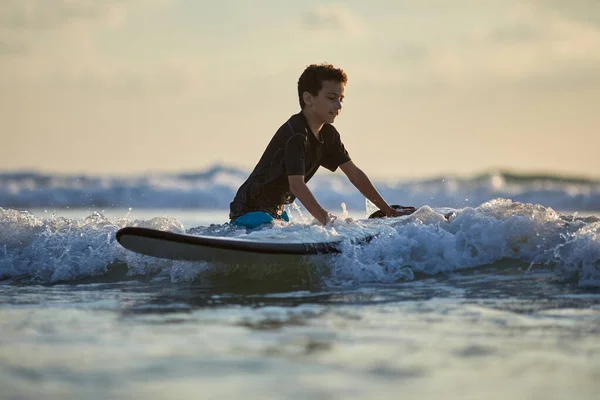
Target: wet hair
point(314, 75)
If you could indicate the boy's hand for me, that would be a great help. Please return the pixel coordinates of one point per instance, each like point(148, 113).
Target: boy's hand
point(326, 217)
point(330, 218)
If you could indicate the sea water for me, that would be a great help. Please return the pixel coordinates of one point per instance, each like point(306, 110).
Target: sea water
point(500, 300)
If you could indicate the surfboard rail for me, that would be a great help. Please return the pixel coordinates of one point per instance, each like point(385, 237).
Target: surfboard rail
point(164, 244)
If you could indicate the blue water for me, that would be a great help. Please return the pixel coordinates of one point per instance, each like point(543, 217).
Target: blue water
point(500, 301)
point(215, 187)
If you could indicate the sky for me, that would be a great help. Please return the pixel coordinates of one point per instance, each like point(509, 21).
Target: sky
point(434, 87)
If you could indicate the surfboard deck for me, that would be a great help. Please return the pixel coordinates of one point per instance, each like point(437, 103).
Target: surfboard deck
point(184, 247)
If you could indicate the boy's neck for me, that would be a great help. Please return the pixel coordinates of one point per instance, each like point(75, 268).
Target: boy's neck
point(314, 122)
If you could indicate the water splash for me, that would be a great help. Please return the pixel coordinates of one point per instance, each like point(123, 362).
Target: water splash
point(58, 249)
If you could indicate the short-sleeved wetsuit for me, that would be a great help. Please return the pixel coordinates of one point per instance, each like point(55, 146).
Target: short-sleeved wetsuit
point(293, 150)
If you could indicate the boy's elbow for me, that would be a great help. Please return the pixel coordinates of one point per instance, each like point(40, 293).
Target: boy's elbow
point(296, 186)
point(296, 189)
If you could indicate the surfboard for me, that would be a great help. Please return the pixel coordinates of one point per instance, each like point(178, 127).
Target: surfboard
point(185, 247)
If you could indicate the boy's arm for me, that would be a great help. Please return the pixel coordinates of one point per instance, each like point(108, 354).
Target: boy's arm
point(302, 192)
point(364, 185)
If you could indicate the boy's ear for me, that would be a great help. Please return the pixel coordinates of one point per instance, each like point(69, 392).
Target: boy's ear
point(308, 98)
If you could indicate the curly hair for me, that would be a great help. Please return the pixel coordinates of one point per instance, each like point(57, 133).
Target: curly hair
point(314, 75)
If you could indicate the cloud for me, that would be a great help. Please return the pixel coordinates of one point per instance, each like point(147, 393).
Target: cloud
point(28, 26)
point(410, 53)
point(333, 18)
point(543, 44)
point(165, 77)
point(581, 10)
point(514, 32)
point(55, 14)
point(52, 44)
point(32, 22)
point(529, 47)
point(12, 47)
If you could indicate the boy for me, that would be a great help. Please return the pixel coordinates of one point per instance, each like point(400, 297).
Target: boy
point(300, 146)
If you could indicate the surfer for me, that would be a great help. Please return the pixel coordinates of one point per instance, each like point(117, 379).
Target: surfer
point(306, 141)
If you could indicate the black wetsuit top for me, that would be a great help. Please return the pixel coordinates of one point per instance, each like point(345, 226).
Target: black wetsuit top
point(293, 150)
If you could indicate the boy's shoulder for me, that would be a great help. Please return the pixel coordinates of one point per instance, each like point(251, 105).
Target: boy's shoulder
point(296, 123)
point(297, 120)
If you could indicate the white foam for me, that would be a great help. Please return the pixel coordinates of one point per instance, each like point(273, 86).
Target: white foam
point(60, 249)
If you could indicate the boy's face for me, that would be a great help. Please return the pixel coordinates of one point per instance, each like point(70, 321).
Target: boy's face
point(328, 103)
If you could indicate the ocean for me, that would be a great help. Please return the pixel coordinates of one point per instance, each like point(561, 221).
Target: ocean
point(500, 301)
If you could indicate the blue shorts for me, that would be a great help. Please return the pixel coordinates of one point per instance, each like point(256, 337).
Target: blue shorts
point(255, 219)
